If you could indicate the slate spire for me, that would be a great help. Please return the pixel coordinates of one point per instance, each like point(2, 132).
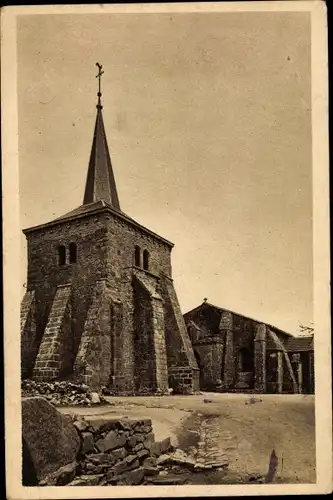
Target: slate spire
point(100, 183)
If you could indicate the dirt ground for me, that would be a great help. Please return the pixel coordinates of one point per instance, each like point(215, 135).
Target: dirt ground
point(244, 428)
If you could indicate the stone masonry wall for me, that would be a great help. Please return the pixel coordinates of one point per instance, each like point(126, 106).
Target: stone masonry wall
point(145, 363)
point(28, 333)
point(122, 240)
point(54, 355)
point(45, 274)
point(105, 250)
point(112, 452)
point(211, 356)
point(204, 352)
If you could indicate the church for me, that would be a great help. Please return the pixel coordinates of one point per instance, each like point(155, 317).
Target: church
point(240, 354)
point(100, 305)
point(100, 308)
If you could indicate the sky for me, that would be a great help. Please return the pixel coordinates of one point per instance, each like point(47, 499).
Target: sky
point(208, 119)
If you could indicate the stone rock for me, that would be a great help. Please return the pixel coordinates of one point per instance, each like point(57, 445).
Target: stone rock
point(162, 459)
point(102, 459)
point(119, 454)
point(134, 477)
point(166, 445)
point(89, 467)
point(118, 469)
point(112, 479)
point(149, 439)
point(163, 472)
point(91, 480)
point(150, 471)
point(170, 479)
point(127, 425)
point(146, 429)
point(207, 400)
point(81, 424)
point(150, 462)
point(95, 399)
point(142, 454)
point(61, 477)
point(141, 423)
point(179, 457)
point(87, 442)
point(138, 447)
point(110, 442)
point(155, 449)
point(131, 442)
point(130, 459)
point(96, 424)
point(50, 436)
point(201, 466)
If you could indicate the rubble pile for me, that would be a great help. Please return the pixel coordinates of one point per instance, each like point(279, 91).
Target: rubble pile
point(63, 393)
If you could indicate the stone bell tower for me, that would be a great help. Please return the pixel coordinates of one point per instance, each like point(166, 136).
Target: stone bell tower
point(100, 305)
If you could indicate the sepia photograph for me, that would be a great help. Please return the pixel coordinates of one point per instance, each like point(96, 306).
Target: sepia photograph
point(172, 298)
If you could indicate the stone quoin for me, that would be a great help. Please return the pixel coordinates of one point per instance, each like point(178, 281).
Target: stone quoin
point(100, 305)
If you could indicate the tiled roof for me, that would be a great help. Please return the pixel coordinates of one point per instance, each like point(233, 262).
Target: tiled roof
point(299, 344)
point(83, 209)
point(96, 207)
point(292, 344)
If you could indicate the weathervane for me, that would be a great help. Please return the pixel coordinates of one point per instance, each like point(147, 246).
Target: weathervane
point(100, 73)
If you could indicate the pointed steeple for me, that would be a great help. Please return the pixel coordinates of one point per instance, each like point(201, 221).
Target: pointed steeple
point(100, 183)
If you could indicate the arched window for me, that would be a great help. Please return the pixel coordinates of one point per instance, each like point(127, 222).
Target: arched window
point(61, 255)
point(146, 260)
point(137, 256)
point(72, 253)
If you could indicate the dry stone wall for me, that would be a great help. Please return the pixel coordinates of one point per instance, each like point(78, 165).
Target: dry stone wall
point(70, 450)
point(117, 452)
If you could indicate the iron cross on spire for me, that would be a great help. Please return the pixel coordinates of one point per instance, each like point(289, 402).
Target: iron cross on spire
point(100, 73)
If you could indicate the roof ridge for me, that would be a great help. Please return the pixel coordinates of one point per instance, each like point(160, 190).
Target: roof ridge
point(243, 315)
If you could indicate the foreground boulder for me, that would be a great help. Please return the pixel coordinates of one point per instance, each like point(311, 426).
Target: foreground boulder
point(51, 438)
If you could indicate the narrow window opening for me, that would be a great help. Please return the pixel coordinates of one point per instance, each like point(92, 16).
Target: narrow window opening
point(245, 361)
point(146, 260)
point(72, 253)
point(137, 256)
point(61, 255)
